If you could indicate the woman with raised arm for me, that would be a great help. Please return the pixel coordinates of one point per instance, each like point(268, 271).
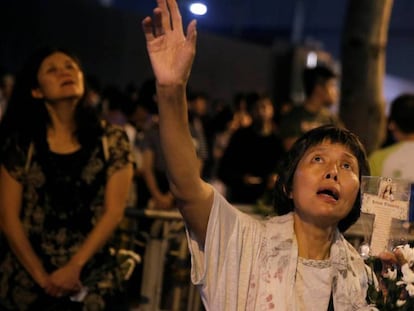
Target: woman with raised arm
point(296, 261)
point(172, 55)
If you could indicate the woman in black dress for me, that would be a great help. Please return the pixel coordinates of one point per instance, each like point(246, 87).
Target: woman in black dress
point(64, 181)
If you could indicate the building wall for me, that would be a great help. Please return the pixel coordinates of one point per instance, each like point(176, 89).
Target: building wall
point(111, 45)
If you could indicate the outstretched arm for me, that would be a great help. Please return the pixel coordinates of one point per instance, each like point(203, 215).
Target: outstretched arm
point(171, 53)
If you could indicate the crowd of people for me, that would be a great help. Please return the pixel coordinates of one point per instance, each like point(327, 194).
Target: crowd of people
point(76, 153)
point(297, 260)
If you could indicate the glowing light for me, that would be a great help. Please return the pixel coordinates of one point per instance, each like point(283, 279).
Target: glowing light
point(311, 60)
point(198, 8)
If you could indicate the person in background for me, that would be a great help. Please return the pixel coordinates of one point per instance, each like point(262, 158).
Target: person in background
point(241, 103)
point(154, 189)
point(201, 126)
point(119, 109)
point(153, 186)
point(249, 164)
point(321, 93)
point(225, 126)
point(396, 160)
point(117, 103)
point(296, 261)
point(64, 181)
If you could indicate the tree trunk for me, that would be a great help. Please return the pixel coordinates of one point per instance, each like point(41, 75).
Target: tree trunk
point(364, 43)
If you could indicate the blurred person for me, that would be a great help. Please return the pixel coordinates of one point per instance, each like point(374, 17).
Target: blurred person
point(225, 125)
point(118, 112)
point(242, 110)
point(116, 103)
point(296, 261)
point(155, 192)
point(64, 181)
point(321, 94)
point(396, 160)
point(153, 186)
point(119, 109)
point(201, 125)
point(249, 163)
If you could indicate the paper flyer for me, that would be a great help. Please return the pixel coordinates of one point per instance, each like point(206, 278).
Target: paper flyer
point(388, 201)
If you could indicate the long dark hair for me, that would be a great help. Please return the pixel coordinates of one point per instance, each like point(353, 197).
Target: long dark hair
point(283, 204)
point(27, 117)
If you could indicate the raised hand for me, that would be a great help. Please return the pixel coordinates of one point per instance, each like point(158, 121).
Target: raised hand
point(171, 52)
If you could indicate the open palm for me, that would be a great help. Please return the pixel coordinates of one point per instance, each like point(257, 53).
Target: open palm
point(171, 51)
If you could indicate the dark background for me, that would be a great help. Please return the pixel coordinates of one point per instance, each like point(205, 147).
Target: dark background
point(243, 44)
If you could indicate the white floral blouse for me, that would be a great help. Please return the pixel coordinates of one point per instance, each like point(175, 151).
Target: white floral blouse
point(250, 264)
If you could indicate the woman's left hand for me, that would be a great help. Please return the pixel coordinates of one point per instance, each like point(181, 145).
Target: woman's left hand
point(64, 281)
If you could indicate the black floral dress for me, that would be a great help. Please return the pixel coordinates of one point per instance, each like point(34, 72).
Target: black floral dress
point(62, 200)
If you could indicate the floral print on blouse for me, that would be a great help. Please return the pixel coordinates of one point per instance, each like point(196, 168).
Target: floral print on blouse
point(63, 197)
point(250, 264)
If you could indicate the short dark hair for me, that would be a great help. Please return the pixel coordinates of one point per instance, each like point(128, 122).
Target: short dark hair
point(283, 204)
point(402, 112)
point(318, 75)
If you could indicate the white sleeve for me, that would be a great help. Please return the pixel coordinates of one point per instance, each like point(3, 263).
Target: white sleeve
point(224, 267)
